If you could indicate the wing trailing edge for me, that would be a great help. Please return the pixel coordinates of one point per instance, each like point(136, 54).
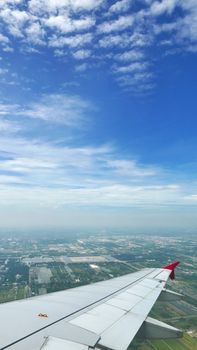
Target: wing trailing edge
point(154, 329)
point(169, 295)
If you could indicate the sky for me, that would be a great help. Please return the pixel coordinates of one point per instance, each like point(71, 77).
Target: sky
point(98, 108)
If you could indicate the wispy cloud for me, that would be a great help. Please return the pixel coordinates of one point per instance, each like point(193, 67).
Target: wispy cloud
point(130, 168)
point(34, 172)
point(8, 109)
point(113, 196)
point(60, 164)
point(59, 173)
point(6, 126)
point(69, 110)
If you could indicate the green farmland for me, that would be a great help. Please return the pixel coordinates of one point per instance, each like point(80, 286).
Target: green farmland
point(186, 343)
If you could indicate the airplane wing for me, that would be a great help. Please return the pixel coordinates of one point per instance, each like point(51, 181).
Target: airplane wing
point(104, 315)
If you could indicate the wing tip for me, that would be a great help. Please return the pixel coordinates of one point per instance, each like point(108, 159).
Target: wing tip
point(172, 267)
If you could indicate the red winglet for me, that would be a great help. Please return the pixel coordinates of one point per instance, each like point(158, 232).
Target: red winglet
point(172, 267)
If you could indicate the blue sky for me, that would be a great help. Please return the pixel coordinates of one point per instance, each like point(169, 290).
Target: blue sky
point(98, 113)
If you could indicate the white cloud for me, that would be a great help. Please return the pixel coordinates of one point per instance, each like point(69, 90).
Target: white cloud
point(59, 175)
point(124, 40)
point(64, 109)
point(71, 41)
point(15, 20)
point(6, 126)
point(9, 180)
point(2, 72)
point(86, 4)
point(8, 49)
point(59, 53)
point(120, 6)
point(133, 67)
point(26, 165)
point(48, 165)
point(165, 27)
point(184, 27)
point(8, 109)
point(68, 110)
point(187, 28)
point(160, 7)
point(130, 168)
point(10, 2)
point(132, 55)
point(81, 67)
point(116, 25)
point(35, 34)
point(114, 196)
point(192, 197)
point(74, 27)
point(54, 6)
point(119, 40)
point(81, 54)
point(4, 39)
point(137, 79)
point(56, 175)
point(65, 24)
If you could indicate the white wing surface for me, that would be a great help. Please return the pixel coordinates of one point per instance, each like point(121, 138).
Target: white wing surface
point(104, 315)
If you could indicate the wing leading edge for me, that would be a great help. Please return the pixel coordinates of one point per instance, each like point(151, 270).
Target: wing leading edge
point(104, 315)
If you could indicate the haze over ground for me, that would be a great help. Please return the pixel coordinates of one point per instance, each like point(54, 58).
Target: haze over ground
point(98, 113)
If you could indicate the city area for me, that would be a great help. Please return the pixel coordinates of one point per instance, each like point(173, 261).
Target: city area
point(35, 264)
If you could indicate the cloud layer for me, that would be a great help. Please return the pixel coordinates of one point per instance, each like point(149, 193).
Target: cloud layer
point(56, 172)
point(55, 176)
point(122, 32)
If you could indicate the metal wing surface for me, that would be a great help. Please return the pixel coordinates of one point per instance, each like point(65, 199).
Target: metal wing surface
point(104, 315)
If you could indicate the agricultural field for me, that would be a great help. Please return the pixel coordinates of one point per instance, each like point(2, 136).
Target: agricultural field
point(186, 343)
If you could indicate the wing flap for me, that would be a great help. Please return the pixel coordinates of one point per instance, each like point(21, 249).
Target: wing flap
point(76, 334)
point(120, 334)
point(124, 301)
point(118, 319)
point(154, 329)
point(99, 318)
point(52, 343)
